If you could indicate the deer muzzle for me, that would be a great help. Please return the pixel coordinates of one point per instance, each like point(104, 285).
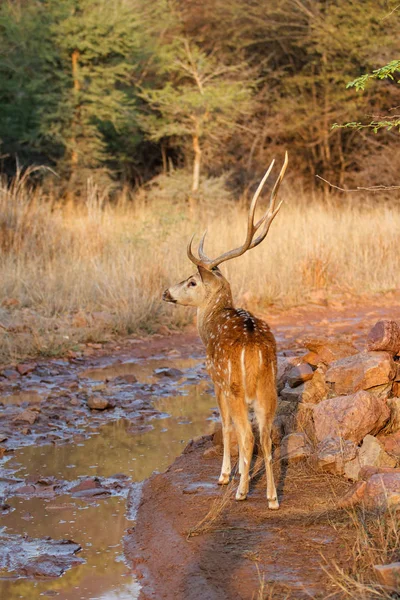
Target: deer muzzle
point(167, 297)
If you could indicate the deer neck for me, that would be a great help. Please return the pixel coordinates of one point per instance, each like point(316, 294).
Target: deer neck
point(209, 314)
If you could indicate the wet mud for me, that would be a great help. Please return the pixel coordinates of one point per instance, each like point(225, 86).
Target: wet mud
point(79, 436)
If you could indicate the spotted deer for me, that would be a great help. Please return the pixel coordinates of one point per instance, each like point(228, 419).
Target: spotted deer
point(240, 348)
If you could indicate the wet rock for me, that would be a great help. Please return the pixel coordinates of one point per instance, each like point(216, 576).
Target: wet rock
point(10, 374)
point(388, 576)
point(26, 490)
point(295, 447)
point(333, 453)
point(353, 496)
point(330, 350)
point(35, 557)
point(27, 416)
point(350, 417)
point(299, 374)
point(25, 368)
point(98, 403)
point(360, 372)
point(382, 491)
point(391, 443)
point(385, 335)
point(88, 488)
point(168, 372)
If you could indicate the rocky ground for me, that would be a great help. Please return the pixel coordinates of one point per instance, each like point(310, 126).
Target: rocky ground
point(247, 547)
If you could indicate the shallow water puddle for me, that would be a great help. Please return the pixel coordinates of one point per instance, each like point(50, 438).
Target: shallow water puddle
point(144, 371)
point(99, 525)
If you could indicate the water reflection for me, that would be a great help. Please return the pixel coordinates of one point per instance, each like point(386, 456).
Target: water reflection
point(98, 526)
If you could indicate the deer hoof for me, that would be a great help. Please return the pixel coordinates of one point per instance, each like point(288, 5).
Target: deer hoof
point(273, 504)
point(223, 479)
point(241, 495)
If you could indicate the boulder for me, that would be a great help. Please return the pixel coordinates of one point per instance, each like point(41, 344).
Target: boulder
point(293, 395)
point(391, 443)
point(385, 335)
point(388, 576)
point(311, 391)
point(382, 491)
point(28, 416)
point(353, 496)
point(295, 447)
point(299, 374)
point(350, 417)
point(371, 454)
point(360, 372)
point(285, 365)
point(333, 453)
point(98, 403)
point(394, 422)
point(329, 351)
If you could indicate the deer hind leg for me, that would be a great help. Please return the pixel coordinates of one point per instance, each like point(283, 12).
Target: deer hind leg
point(264, 408)
point(226, 437)
point(246, 445)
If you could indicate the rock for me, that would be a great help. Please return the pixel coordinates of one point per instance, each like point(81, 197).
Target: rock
point(394, 406)
point(353, 496)
point(10, 374)
point(333, 453)
point(316, 389)
point(293, 394)
point(360, 372)
point(388, 576)
point(330, 350)
point(98, 403)
point(349, 417)
point(367, 471)
point(128, 378)
point(28, 416)
point(89, 488)
point(382, 491)
point(285, 365)
point(299, 374)
point(385, 335)
point(168, 372)
point(25, 368)
point(391, 443)
point(371, 454)
point(383, 391)
point(295, 447)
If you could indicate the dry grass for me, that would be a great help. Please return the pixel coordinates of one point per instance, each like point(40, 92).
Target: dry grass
point(377, 542)
point(61, 265)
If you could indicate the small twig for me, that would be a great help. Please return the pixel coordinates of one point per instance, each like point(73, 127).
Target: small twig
point(374, 188)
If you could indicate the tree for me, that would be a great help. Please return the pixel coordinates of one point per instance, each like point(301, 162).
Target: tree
point(199, 98)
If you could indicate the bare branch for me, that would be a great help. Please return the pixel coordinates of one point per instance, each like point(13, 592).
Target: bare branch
point(373, 188)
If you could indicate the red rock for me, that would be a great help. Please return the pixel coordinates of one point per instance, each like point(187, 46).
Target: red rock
point(353, 496)
point(299, 374)
point(330, 350)
point(25, 368)
point(28, 416)
point(98, 403)
point(382, 491)
point(389, 576)
point(367, 471)
point(350, 417)
point(89, 488)
point(333, 453)
point(360, 372)
point(295, 447)
point(385, 335)
point(391, 443)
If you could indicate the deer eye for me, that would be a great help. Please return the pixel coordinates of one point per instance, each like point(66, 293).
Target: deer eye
point(192, 283)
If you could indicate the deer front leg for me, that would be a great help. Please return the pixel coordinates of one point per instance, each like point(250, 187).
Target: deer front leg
point(226, 437)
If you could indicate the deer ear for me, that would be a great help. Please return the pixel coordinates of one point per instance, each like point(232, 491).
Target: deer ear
point(206, 275)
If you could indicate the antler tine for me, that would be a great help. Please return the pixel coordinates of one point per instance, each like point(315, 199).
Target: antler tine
point(203, 256)
point(271, 211)
point(190, 254)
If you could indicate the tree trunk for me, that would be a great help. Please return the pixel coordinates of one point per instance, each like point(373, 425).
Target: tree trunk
point(76, 88)
point(196, 162)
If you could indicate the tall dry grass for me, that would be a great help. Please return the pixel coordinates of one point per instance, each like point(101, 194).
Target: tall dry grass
point(62, 264)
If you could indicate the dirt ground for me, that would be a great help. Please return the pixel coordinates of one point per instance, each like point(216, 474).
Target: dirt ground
point(249, 552)
point(248, 547)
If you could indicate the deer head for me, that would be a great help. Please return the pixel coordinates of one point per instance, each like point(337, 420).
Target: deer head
point(208, 283)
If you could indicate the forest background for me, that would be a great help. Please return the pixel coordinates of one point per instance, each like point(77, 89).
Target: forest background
point(127, 125)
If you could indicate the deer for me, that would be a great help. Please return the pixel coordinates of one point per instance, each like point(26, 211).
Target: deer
point(240, 348)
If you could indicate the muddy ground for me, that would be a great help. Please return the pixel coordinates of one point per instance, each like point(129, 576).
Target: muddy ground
point(72, 472)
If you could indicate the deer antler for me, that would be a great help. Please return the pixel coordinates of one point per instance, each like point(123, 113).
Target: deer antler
point(250, 242)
